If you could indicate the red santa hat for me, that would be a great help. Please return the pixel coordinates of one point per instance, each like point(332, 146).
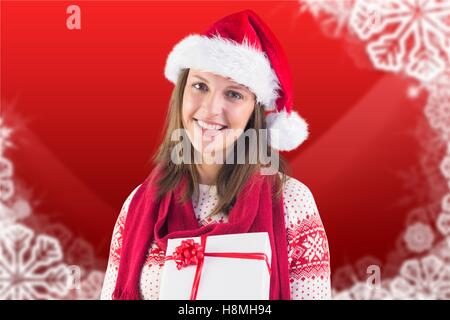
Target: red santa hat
point(242, 47)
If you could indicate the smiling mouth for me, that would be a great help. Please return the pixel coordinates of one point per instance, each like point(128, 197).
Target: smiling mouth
point(208, 126)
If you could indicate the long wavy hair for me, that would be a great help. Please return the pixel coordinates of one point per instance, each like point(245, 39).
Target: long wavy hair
point(231, 177)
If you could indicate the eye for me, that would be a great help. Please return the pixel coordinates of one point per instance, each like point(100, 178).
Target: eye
point(200, 86)
point(235, 95)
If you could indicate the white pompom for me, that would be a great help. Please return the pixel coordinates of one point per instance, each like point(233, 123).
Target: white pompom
point(286, 131)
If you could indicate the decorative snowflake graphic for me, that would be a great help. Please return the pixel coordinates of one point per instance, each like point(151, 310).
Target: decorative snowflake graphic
point(419, 237)
point(30, 267)
point(413, 35)
point(426, 278)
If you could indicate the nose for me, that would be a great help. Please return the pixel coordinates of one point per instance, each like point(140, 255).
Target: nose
point(212, 105)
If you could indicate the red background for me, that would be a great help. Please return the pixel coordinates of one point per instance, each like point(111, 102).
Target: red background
point(92, 104)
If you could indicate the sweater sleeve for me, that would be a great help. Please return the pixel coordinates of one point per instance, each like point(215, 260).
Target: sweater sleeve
point(109, 282)
point(308, 251)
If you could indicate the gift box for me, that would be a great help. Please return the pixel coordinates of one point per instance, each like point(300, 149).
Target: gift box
point(220, 267)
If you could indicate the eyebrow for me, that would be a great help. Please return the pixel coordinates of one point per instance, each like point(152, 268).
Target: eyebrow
point(201, 78)
point(240, 87)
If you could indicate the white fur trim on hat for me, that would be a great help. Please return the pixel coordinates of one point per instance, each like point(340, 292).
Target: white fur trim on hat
point(243, 63)
point(286, 131)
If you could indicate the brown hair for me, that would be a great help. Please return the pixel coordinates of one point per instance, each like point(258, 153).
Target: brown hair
point(231, 177)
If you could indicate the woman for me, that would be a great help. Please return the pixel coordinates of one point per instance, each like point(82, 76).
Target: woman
point(208, 180)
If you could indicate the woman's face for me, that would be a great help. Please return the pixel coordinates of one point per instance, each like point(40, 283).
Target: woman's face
point(214, 109)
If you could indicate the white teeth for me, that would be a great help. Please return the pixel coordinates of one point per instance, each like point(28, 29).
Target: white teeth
point(208, 126)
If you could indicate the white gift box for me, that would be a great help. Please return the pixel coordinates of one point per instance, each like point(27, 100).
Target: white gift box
point(222, 278)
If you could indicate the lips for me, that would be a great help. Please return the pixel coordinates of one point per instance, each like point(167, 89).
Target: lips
point(209, 126)
point(208, 133)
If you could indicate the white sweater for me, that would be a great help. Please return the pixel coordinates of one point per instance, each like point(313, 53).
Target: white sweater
point(308, 252)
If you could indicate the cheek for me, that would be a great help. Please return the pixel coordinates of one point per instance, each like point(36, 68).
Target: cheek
point(191, 102)
point(189, 107)
point(239, 116)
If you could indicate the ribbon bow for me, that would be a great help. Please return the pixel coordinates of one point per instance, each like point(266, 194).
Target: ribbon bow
point(188, 253)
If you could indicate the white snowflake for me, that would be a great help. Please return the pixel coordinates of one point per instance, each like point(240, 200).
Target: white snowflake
point(30, 267)
point(419, 237)
point(427, 278)
point(413, 35)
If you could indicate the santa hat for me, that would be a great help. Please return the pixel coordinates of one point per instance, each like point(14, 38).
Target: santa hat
point(242, 47)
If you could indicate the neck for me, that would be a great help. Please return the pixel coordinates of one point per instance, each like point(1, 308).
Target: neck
point(208, 169)
point(208, 173)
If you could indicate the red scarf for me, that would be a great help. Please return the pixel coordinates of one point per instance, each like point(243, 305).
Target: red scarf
point(149, 220)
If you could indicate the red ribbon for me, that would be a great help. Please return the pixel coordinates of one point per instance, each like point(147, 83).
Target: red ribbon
point(192, 253)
